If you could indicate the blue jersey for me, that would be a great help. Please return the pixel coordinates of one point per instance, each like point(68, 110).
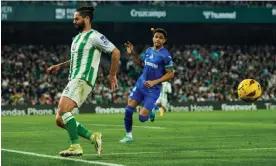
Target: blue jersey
point(155, 63)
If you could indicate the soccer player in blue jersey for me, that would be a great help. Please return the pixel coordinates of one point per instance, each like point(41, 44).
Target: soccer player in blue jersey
point(157, 68)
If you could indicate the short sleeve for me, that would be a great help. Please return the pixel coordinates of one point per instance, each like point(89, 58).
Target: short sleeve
point(103, 44)
point(167, 59)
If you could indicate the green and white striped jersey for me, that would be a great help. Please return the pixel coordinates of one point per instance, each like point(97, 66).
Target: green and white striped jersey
point(166, 88)
point(86, 52)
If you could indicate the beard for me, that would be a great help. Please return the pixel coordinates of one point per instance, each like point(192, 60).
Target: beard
point(80, 27)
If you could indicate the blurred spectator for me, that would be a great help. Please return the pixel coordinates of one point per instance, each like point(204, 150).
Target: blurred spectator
point(149, 3)
point(202, 73)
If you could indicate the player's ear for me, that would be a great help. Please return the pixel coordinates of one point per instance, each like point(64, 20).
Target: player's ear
point(86, 18)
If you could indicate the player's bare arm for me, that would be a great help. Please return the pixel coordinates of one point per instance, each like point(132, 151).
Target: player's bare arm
point(65, 64)
point(168, 76)
point(114, 68)
point(55, 68)
point(134, 56)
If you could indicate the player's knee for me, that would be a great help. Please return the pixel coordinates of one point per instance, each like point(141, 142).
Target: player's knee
point(143, 118)
point(132, 103)
point(128, 101)
point(63, 108)
point(66, 105)
point(59, 121)
point(60, 124)
point(144, 112)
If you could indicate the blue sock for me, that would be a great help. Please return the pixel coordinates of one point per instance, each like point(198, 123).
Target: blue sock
point(143, 118)
point(156, 108)
point(128, 118)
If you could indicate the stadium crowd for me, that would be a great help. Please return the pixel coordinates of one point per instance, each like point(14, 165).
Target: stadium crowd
point(202, 73)
point(148, 3)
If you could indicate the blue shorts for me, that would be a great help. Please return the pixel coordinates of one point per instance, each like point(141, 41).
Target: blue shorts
point(148, 98)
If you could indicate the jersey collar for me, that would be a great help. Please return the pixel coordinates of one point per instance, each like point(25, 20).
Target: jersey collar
point(156, 50)
point(86, 31)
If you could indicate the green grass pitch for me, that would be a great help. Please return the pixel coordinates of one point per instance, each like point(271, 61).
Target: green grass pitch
point(176, 139)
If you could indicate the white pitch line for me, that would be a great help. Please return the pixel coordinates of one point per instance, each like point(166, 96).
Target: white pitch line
point(202, 150)
point(60, 158)
point(146, 127)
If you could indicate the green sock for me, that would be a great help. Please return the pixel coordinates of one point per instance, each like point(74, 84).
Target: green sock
point(83, 132)
point(71, 126)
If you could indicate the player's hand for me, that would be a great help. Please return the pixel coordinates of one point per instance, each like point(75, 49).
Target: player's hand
point(53, 69)
point(129, 47)
point(149, 84)
point(113, 82)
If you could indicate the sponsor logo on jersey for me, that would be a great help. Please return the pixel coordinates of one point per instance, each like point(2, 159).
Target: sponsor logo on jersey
point(104, 39)
point(151, 64)
point(151, 57)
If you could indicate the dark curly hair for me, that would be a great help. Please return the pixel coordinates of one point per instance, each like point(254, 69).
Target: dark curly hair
point(160, 30)
point(86, 12)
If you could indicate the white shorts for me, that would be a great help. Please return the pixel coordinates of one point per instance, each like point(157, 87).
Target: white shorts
point(77, 90)
point(162, 101)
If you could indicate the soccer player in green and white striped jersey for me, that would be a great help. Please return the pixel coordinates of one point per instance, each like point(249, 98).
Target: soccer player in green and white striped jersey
point(161, 103)
point(86, 51)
